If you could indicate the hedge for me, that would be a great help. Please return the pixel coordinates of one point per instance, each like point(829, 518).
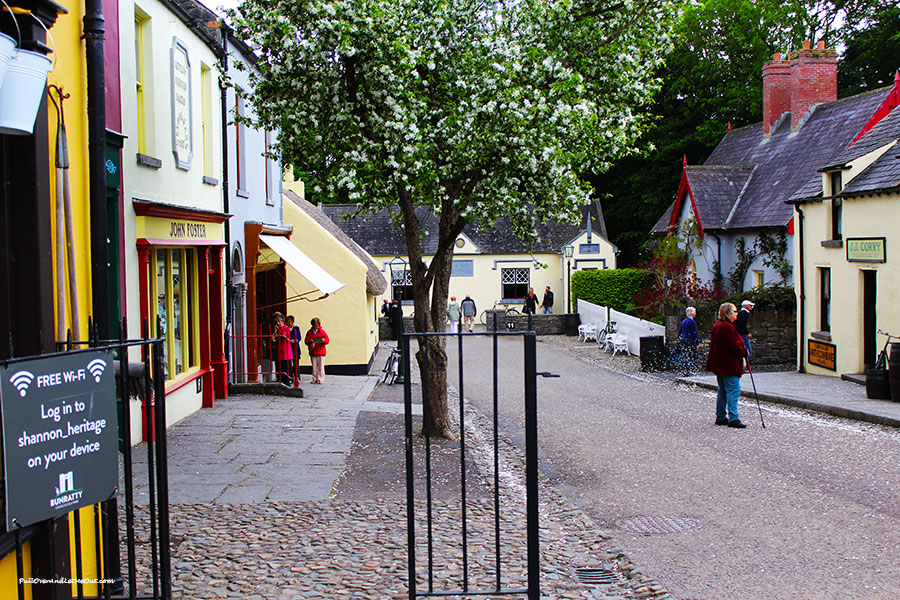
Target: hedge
point(615, 288)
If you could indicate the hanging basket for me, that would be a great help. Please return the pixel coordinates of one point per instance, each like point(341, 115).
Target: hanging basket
point(7, 49)
point(22, 92)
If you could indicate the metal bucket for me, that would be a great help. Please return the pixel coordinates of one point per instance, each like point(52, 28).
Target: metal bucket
point(22, 92)
point(877, 384)
point(7, 49)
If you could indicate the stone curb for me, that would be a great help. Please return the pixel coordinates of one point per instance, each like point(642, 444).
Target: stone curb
point(836, 411)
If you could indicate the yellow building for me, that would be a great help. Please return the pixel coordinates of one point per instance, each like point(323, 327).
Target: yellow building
point(847, 250)
point(350, 316)
point(490, 266)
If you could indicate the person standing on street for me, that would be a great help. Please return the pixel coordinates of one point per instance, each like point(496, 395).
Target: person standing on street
point(531, 301)
point(468, 311)
point(726, 360)
point(281, 338)
point(295, 336)
point(453, 315)
point(741, 325)
point(688, 341)
point(547, 303)
point(316, 339)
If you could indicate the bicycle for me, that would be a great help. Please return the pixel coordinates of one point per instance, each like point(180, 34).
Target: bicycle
point(391, 366)
point(499, 307)
point(882, 362)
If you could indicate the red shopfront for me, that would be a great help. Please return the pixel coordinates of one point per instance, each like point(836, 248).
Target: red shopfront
point(180, 254)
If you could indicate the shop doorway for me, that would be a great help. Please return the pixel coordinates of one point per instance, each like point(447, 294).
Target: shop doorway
point(870, 320)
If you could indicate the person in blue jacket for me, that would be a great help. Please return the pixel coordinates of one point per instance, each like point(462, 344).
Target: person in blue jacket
point(688, 341)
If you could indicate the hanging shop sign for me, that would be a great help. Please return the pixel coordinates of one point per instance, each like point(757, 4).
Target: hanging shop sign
point(871, 250)
point(822, 354)
point(182, 141)
point(60, 438)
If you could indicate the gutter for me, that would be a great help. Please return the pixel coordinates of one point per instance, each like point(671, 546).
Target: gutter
point(96, 94)
point(229, 283)
point(801, 317)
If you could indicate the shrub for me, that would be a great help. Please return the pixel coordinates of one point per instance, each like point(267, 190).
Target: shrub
point(615, 288)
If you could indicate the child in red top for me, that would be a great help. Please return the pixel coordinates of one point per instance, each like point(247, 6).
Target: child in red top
point(316, 340)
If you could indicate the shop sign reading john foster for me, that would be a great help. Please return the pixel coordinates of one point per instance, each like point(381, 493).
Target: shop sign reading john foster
point(60, 448)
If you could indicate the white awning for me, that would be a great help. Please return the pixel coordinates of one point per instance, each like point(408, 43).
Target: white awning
point(301, 263)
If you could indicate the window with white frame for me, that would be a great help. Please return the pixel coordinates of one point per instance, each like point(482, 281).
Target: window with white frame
point(401, 286)
point(824, 299)
point(514, 283)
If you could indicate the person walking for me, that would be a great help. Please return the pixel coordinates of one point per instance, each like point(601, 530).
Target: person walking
point(741, 323)
point(295, 335)
point(726, 360)
point(281, 338)
point(468, 311)
point(688, 341)
point(547, 302)
point(453, 314)
point(316, 340)
point(531, 301)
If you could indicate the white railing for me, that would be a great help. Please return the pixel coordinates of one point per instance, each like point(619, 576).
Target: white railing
point(632, 326)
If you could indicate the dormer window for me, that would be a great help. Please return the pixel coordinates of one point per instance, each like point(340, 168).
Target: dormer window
point(837, 205)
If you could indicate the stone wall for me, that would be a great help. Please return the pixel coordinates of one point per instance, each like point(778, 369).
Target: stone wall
point(774, 332)
point(542, 325)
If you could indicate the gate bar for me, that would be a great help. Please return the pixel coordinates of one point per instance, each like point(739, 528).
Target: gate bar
point(426, 420)
point(496, 427)
point(410, 493)
point(462, 469)
point(531, 467)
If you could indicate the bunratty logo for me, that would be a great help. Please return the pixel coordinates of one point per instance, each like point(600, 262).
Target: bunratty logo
point(66, 494)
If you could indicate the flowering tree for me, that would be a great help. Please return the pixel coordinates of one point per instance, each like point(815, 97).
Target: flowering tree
point(472, 109)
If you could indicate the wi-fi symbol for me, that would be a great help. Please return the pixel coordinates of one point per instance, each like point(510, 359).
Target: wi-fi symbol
point(96, 368)
point(22, 379)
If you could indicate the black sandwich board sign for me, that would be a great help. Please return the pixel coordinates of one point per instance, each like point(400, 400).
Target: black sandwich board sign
point(60, 443)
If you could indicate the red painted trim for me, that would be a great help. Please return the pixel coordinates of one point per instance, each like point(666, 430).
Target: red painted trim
point(143, 208)
point(790, 226)
point(180, 383)
point(144, 284)
point(891, 102)
point(203, 298)
point(684, 187)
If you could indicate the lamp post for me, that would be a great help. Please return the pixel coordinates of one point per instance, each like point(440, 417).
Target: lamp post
point(398, 277)
point(569, 251)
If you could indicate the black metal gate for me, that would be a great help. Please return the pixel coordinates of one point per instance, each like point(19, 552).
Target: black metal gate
point(530, 587)
point(146, 574)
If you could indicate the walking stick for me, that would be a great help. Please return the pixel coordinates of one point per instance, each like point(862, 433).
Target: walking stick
point(755, 393)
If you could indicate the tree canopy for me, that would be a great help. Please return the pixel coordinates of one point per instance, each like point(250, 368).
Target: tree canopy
point(474, 109)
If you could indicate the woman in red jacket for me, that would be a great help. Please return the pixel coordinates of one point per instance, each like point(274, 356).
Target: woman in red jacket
point(726, 360)
point(316, 340)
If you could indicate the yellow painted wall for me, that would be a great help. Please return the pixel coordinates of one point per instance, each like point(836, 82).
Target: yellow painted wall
point(349, 314)
point(485, 287)
point(9, 576)
point(70, 73)
point(862, 217)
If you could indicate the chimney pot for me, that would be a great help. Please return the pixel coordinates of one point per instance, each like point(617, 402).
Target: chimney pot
point(776, 56)
point(820, 45)
point(806, 44)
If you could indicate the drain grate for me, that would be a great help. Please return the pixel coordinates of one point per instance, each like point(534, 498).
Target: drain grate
point(649, 525)
point(599, 576)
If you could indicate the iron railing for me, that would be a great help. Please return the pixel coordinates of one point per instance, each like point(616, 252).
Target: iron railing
point(531, 590)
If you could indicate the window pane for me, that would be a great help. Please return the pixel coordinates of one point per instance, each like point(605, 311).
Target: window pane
point(190, 268)
point(177, 313)
point(163, 296)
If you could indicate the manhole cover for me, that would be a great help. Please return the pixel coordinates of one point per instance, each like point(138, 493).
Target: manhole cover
point(599, 576)
point(656, 524)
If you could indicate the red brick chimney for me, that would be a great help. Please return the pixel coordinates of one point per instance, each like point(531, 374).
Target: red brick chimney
point(776, 91)
point(813, 80)
point(796, 85)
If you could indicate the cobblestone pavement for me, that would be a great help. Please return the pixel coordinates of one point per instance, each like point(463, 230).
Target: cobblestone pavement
point(289, 498)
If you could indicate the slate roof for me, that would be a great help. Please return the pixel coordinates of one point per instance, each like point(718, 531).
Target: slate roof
point(375, 233)
point(782, 164)
point(716, 189)
point(376, 284)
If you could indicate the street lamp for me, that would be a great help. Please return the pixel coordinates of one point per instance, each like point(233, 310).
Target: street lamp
point(569, 251)
point(398, 278)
